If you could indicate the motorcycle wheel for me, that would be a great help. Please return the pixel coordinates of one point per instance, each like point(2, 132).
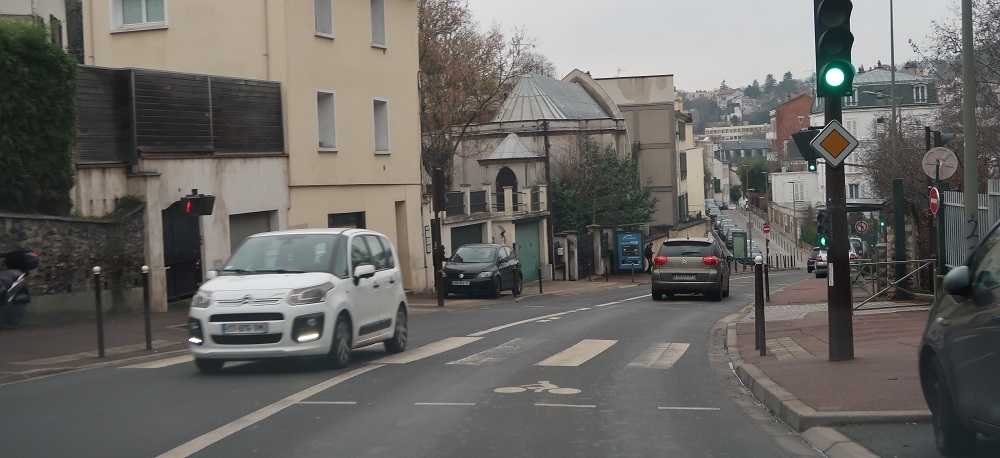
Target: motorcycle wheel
point(13, 315)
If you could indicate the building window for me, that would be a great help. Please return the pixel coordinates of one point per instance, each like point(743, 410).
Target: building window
point(323, 10)
point(854, 191)
point(798, 191)
point(381, 126)
point(354, 220)
point(851, 100)
point(920, 94)
point(684, 165)
point(378, 23)
point(132, 14)
point(327, 115)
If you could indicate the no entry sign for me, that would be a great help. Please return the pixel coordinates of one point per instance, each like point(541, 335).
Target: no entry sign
point(766, 228)
point(935, 200)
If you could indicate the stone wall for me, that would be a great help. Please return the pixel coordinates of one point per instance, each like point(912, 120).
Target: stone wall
point(62, 287)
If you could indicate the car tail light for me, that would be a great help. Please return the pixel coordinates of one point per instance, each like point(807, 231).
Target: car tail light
point(819, 259)
point(710, 260)
point(659, 260)
point(854, 256)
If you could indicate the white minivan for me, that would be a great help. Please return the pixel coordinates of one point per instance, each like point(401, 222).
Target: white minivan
point(300, 292)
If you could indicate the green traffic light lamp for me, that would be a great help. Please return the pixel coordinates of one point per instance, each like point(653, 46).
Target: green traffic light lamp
point(836, 78)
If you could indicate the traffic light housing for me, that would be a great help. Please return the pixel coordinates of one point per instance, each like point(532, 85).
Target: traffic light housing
point(802, 140)
point(834, 70)
point(197, 205)
point(823, 226)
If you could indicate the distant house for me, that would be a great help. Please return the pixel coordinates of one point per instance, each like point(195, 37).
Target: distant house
point(738, 151)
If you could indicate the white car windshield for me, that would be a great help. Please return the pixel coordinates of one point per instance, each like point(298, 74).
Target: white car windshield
point(289, 253)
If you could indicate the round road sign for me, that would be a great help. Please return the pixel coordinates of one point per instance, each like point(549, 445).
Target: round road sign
point(861, 227)
point(767, 228)
point(935, 200)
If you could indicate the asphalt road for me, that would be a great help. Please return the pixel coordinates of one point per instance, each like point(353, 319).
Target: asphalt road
point(611, 373)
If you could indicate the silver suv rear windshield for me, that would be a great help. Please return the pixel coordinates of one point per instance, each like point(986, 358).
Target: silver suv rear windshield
point(686, 248)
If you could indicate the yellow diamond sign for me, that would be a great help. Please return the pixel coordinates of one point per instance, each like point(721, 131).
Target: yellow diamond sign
point(834, 143)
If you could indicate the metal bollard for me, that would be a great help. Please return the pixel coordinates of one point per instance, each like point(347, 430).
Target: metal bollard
point(145, 307)
point(767, 284)
point(539, 279)
point(760, 341)
point(100, 311)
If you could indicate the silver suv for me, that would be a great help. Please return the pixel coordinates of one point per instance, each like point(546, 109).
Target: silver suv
point(691, 265)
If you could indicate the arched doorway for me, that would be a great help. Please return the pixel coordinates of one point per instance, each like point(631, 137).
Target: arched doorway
point(506, 177)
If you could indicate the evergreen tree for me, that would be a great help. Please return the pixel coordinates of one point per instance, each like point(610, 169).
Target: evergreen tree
point(37, 120)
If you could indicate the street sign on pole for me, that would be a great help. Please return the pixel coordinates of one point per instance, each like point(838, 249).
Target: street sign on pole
point(935, 197)
point(861, 227)
point(766, 228)
point(834, 143)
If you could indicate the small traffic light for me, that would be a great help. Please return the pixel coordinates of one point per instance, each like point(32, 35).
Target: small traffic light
point(197, 205)
point(802, 140)
point(823, 223)
point(834, 70)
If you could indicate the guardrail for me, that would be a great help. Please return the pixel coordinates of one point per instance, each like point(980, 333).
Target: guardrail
point(873, 269)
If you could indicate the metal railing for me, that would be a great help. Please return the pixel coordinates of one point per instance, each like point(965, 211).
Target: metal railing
point(861, 272)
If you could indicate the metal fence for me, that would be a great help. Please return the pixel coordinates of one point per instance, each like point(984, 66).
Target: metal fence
point(953, 220)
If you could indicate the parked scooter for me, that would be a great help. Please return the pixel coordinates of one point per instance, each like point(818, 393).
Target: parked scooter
point(14, 297)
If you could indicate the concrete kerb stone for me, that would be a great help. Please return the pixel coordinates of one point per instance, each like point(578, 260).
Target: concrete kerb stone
point(834, 444)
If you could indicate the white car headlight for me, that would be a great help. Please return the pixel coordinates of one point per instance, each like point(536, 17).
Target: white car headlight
point(485, 274)
point(202, 299)
point(310, 295)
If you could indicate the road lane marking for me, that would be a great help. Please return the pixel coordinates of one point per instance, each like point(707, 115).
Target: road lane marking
point(162, 363)
point(499, 353)
point(93, 354)
point(445, 404)
point(660, 355)
point(332, 403)
point(583, 406)
point(426, 351)
point(690, 408)
point(578, 354)
point(199, 443)
point(531, 320)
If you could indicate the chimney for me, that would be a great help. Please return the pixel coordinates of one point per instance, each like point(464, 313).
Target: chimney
point(788, 96)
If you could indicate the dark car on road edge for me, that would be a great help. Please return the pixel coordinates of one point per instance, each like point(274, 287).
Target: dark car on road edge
point(483, 268)
point(960, 352)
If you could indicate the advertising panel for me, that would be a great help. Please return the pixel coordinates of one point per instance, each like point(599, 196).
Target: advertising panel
point(629, 251)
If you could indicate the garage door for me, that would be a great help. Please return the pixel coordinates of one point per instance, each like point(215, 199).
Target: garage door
point(528, 249)
point(462, 235)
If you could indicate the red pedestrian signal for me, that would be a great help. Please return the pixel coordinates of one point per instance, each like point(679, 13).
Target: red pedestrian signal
point(197, 205)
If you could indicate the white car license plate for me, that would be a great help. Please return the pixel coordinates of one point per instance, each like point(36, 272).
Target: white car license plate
point(683, 277)
point(460, 282)
point(244, 328)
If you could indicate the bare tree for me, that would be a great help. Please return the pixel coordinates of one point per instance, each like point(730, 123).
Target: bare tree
point(464, 75)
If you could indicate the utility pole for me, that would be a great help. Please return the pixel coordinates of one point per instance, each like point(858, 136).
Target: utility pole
point(971, 156)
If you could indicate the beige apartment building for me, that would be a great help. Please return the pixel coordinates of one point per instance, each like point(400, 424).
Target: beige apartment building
point(347, 72)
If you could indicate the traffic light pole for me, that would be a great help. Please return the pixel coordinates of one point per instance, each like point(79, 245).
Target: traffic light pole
point(840, 309)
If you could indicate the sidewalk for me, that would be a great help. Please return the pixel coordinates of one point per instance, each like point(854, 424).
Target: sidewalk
point(808, 392)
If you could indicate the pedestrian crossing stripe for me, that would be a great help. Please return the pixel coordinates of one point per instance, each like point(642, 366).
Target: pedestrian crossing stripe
point(579, 353)
point(499, 353)
point(659, 355)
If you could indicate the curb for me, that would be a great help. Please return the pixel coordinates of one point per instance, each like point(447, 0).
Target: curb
point(814, 426)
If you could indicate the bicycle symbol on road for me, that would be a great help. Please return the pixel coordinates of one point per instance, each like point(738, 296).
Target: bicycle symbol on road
point(541, 386)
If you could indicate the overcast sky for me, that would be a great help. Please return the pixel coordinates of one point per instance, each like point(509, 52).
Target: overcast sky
point(702, 42)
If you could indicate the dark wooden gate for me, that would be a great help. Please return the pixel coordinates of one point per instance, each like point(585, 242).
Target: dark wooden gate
point(585, 256)
point(181, 252)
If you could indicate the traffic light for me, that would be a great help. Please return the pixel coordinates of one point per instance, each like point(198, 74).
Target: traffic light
point(823, 223)
point(834, 70)
point(802, 140)
point(197, 205)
